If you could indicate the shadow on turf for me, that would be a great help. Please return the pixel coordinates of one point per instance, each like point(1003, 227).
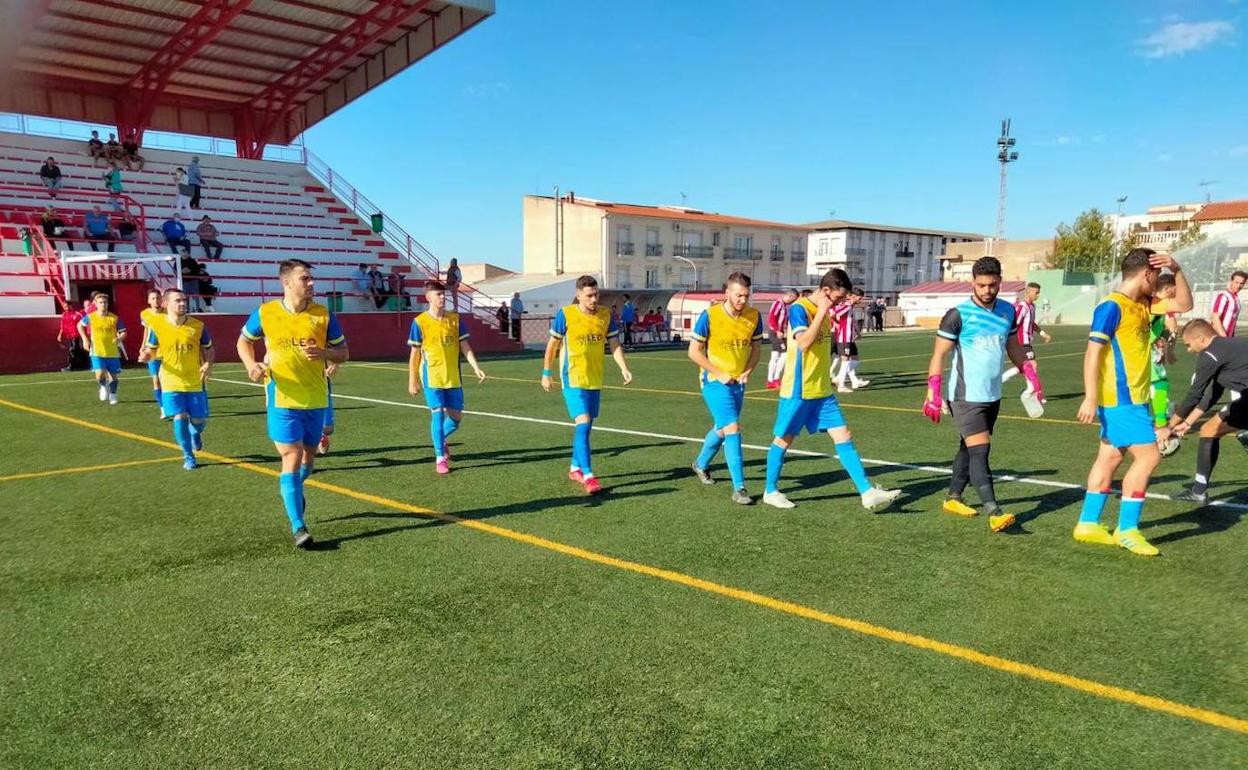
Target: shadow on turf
point(1207, 521)
point(500, 457)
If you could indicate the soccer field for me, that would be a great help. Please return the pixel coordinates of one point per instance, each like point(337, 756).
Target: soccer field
point(497, 617)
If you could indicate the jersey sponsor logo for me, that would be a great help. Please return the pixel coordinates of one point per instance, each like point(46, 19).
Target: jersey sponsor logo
point(288, 343)
point(591, 337)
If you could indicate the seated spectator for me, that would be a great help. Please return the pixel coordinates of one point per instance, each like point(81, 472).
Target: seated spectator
point(190, 281)
point(175, 234)
point(207, 233)
point(206, 287)
point(50, 175)
point(361, 283)
point(127, 230)
point(113, 148)
point(53, 225)
point(130, 151)
point(377, 286)
point(97, 228)
point(95, 148)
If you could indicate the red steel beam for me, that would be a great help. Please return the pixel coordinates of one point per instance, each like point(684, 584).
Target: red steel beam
point(300, 23)
point(318, 8)
point(166, 16)
point(122, 42)
point(112, 24)
point(118, 57)
point(53, 82)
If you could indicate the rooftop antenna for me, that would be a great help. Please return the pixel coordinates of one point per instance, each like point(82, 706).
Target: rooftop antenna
point(1005, 156)
point(1205, 184)
point(683, 199)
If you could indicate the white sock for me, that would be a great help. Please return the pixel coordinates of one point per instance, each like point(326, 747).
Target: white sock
point(1009, 374)
point(773, 366)
point(853, 372)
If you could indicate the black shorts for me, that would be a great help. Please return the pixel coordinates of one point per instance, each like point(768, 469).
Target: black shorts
point(778, 344)
point(1029, 352)
point(846, 349)
point(1235, 414)
point(972, 417)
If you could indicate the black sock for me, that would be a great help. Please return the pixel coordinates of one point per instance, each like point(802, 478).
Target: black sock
point(1206, 459)
point(961, 472)
point(981, 475)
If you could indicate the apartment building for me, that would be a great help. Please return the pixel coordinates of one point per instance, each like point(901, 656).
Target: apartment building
point(639, 247)
point(883, 259)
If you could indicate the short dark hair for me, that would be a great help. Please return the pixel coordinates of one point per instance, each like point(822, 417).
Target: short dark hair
point(152, 291)
point(285, 267)
point(836, 278)
point(986, 266)
point(1033, 285)
point(1197, 326)
point(856, 291)
point(435, 286)
point(1135, 261)
point(794, 292)
point(627, 298)
point(1165, 280)
point(807, 292)
point(171, 291)
point(1239, 274)
point(739, 278)
point(586, 282)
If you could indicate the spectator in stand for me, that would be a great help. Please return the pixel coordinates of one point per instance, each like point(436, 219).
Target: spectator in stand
point(182, 192)
point(112, 183)
point(130, 151)
point(399, 285)
point(50, 175)
point(190, 280)
point(503, 317)
point(96, 228)
point(207, 233)
point(175, 234)
point(628, 318)
point(377, 286)
point(517, 310)
point(206, 287)
point(453, 279)
point(54, 226)
point(95, 148)
point(127, 230)
point(69, 338)
point(195, 178)
point(361, 284)
point(877, 314)
point(113, 148)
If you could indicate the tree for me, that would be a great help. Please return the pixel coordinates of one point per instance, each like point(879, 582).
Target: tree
point(1190, 236)
point(1087, 246)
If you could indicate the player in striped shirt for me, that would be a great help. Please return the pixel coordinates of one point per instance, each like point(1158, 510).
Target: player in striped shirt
point(1226, 305)
point(1025, 313)
point(777, 326)
point(846, 330)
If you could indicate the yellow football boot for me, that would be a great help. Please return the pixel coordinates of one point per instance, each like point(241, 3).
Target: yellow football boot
point(1087, 532)
point(1001, 522)
point(958, 508)
point(1134, 542)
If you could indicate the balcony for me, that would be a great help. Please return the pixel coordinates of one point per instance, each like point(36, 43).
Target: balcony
point(1160, 238)
point(903, 282)
point(623, 249)
point(777, 255)
point(856, 252)
point(654, 249)
point(905, 255)
point(732, 252)
point(696, 252)
point(797, 256)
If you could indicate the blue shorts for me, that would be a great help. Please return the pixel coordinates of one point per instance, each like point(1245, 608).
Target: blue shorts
point(153, 367)
point(724, 402)
point(582, 401)
point(814, 414)
point(106, 364)
point(445, 398)
point(296, 426)
point(1127, 425)
point(194, 403)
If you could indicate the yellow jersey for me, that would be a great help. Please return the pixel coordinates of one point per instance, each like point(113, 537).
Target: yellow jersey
point(438, 340)
point(806, 373)
point(297, 382)
point(584, 338)
point(104, 329)
point(145, 318)
point(180, 346)
point(728, 340)
point(1123, 325)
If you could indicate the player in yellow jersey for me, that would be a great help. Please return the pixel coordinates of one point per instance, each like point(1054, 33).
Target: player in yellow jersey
point(184, 346)
point(1117, 369)
point(300, 337)
point(806, 398)
point(727, 341)
point(578, 335)
point(436, 338)
point(153, 310)
point(102, 334)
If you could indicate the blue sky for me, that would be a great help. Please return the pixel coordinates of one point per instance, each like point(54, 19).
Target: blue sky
point(883, 112)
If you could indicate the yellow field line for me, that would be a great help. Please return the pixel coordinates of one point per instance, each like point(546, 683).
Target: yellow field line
point(85, 469)
point(762, 395)
point(1026, 670)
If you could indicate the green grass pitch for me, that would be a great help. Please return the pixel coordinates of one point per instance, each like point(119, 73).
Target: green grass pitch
point(154, 618)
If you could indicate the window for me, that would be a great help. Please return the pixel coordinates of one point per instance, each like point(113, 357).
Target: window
point(715, 238)
point(623, 278)
point(623, 234)
point(742, 242)
point(775, 277)
point(692, 237)
point(652, 236)
point(798, 244)
point(687, 277)
point(652, 278)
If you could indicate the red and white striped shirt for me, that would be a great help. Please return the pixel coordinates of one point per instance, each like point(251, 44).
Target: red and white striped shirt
point(1025, 317)
point(1226, 308)
point(843, 322)
point(778, 317)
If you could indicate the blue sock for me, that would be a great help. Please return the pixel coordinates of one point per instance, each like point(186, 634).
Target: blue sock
point(710, 448)
point(437, 433)
point(580, 448)
point(852, 463)
point(1093, 505)
point(112, 386)
point(775, 462)
point(292, 498)
point(1129, 513)
point(449, 426)
point(197, 428)
point(182, 435)
point(304, 472)
point(156, 395)
point(736, 463)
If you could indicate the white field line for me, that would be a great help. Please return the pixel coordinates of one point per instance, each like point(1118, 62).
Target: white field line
point(762, 448)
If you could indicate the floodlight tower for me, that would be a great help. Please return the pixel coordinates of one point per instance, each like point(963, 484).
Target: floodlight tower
point(1006, 156)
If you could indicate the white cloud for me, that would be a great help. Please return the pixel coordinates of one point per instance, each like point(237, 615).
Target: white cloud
point(1176, 38)
point(1061, 141)
point(1239, 152)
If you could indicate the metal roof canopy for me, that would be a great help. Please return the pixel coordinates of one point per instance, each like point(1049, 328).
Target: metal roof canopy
point(256, 71)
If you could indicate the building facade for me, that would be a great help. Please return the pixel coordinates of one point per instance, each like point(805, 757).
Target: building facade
point(658, 247)
point(1018, 258)
point(883, 259)
point(1158, 227)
